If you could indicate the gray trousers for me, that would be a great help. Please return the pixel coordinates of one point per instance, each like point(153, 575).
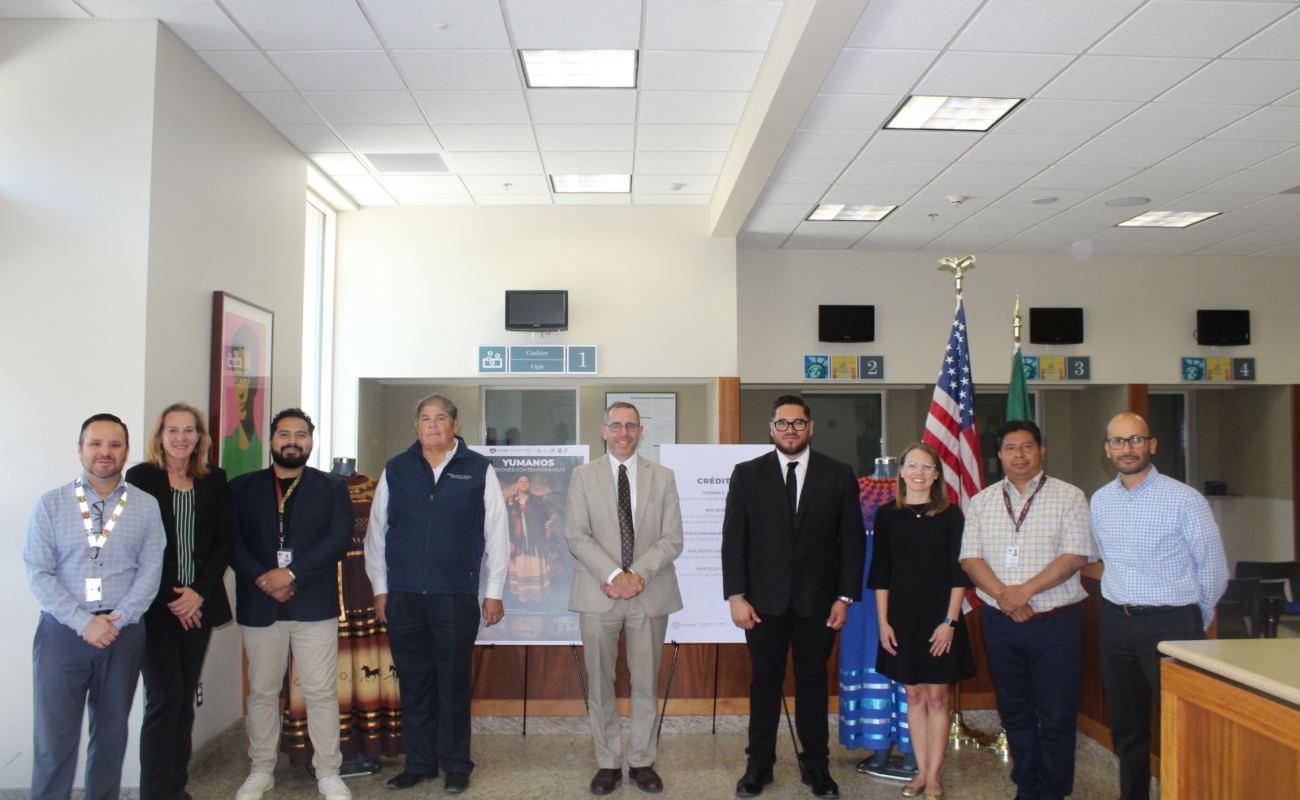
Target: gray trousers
point(66, 671)
point(644, 637)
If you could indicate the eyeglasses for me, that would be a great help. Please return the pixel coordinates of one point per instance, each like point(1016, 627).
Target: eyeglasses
point(1137, 442)
point(917, 465)
point(618, 427)
point(786, 424)
point(97, 511)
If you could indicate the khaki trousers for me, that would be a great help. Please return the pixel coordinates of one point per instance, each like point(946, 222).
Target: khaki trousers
point(645, 648)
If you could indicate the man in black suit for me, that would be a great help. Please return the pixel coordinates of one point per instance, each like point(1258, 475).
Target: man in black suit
point(292, 526)
point(792, 555)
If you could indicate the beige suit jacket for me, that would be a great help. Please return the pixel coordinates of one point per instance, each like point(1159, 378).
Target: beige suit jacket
point(594, 539)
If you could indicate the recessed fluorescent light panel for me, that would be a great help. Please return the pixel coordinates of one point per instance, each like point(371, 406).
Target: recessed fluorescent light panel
point(1168, 219)
point(839, 212)
point(579, 69)
point(616, 184)
point(928, 113)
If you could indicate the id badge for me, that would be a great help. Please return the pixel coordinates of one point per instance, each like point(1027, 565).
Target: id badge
point(284, 557)
point(94, 590)
point(1013, 556)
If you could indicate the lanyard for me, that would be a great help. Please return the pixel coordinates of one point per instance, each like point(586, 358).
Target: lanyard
point(283, 497)
point(97, 541)
point(1006, 498)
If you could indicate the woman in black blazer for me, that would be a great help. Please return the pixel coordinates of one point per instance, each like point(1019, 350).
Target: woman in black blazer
point(195, 504)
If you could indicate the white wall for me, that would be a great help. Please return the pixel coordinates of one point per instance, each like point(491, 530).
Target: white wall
point(133, 182)
point(419, 289)
point(1139, 313)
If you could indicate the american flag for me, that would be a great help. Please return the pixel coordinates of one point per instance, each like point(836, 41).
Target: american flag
point(950, 427)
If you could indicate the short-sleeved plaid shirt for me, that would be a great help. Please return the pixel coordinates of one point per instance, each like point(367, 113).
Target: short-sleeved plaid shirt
point(1057, 523)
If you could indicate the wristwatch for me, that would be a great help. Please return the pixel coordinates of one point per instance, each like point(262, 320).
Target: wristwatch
point(950, 622)
point(847, 601)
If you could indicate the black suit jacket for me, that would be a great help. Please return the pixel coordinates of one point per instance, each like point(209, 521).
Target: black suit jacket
point(214, 537)
point(806, 562)
point(320, 532)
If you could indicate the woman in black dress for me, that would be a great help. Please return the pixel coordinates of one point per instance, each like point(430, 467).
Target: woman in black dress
point(191, 601)
point(919, 586)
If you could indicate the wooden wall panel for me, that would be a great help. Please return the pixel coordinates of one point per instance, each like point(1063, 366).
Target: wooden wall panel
point(728, 410)
point(1137, 399)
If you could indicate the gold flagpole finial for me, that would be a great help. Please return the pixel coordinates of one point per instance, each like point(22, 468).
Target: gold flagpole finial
point(1017, 322)
point(958, 267)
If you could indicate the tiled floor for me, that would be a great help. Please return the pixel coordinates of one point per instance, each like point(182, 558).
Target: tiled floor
point(555, 760)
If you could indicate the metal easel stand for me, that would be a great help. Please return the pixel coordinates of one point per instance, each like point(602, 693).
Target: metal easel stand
point(659, 730)
point(798, 756)
point(961, 737)
point(582, 677)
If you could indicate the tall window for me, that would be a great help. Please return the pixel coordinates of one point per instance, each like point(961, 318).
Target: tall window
point(850, 427)
point(318, 323)
point(990, 414)
point(1167, 414)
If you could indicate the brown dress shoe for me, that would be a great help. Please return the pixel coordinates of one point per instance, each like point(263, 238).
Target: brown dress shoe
point(647, 780)
point(606, 781)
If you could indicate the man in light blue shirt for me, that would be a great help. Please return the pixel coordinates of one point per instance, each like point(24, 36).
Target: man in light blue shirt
point(93, 552)
point(1165, 571)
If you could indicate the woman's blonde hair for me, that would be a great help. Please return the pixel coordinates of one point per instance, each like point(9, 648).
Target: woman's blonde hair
point(938, 490)
point(153, 450)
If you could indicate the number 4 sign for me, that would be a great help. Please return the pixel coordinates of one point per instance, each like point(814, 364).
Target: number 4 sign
point(1243, 369)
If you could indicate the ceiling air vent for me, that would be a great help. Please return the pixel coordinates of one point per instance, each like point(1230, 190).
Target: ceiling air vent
point(406, 163)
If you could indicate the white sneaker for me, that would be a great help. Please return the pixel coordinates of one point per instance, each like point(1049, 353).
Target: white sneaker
point(257, 784)
point(334, 788)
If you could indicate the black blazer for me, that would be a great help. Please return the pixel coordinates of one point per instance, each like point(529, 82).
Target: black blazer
point(806, 562)
point(214, 537)
point(320, 533)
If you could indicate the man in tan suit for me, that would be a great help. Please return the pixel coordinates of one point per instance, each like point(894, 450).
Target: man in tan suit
point(625, 529)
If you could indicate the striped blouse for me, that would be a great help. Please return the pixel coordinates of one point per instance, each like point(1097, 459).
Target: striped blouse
point(183, 504)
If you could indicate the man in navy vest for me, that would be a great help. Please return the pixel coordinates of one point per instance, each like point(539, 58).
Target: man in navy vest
point(438, 510)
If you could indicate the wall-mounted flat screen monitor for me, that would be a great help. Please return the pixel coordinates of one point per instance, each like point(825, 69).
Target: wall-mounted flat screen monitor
point(1056, 326)
point(1221, 327)
point(846, 323)
point(537, 310)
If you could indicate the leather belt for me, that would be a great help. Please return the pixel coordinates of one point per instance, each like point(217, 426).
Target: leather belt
point(102, 613)
point(1138, 611)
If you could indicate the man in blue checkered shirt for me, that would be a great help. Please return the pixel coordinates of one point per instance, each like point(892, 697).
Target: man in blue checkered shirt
point(1165, 571)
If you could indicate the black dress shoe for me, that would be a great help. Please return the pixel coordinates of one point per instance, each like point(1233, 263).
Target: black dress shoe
point(647, 780)
point(606, 781)
point(752, 782)
point(820, 781)
point(407, 779)
point(457, 782)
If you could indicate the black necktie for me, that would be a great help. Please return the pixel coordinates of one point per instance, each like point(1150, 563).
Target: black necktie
point(625, 515)
point(792, 487)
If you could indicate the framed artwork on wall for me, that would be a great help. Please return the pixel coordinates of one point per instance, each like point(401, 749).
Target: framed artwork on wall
point(239, 394)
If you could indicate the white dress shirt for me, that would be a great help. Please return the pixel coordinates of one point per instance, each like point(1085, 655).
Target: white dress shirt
point(614, 464)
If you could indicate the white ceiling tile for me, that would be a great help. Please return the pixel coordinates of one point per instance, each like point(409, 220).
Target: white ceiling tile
point(652, 163)
point(1064, 117)
point(359, 184)
point(893, 173)
point(772, 226)
point(688, 70)
point(1125, 151)
point(1263, 213)
point(474, 108)
point(1257, 181)
point(826, 144)
point(1035, 241)
point(710, 25)
point(849, 112)
point(806, 171)
point(569, 106)
point(1216, 154)
point(781, 213)
point(888, 145)
point(1023, 217)
point(413, 24)
point(975, 238)
point(41, 9)
point(587, 163)
point(1120, 78)
point(1170, 180)
point(563, 138)
point(1229, 82)
point(1198, 30)
point(758, 241)
point(1178, 243)
point(312, 138)
point(1275, 42)
point(1285, 251)
point(991, 74)
point(495, 163)
point(1289, 159)
point(283, 108)
point(1272, 124)
point(696, 138)
point(1118, 240)
point(338, 70)
point(893, 235)
point(1254, 242)
point(658, 184)
point(1031, 26)
point(304, 24)
point(485, 138)
point(575, 24)
point(366, 108)
point(202, 26)
point(496, 184)
point(984, 182)
point(423, 184)
point(599, 199)
point(706, 108)
point(389, 138)
point(513, 199)
point(1067, 177)
point(1178, 120)
point(417, 199)
point(801, 194)
point(1023, 198)
point(1015, 148)
point(881, 71)
point(1210, 201)
point(246, 70)
point(339, 164)
point(857, 194)
point(459, 70)
point(827, 235)
point(911, 24)
point(677, 199)
point(373, 199)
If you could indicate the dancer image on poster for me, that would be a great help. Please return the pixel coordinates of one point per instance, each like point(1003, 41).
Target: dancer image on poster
point(241, 450)
point(529, 519)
